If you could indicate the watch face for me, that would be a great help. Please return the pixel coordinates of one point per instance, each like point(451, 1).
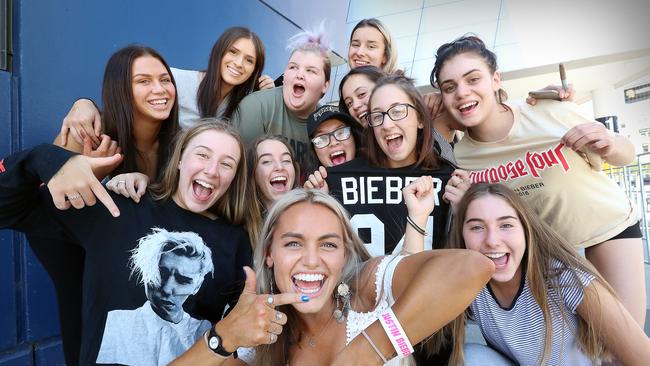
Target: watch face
point(213, 342)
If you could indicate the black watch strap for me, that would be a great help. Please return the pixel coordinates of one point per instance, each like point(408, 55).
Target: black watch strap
point(215, 344)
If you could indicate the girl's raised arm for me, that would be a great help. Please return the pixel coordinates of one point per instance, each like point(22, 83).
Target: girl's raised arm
point(431, 288)
point(418, 198)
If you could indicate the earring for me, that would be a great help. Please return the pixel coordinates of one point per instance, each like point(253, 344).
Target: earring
point(343, 294)
point(270, 279)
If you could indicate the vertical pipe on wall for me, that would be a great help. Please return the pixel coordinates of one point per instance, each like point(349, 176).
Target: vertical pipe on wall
point(5, 35)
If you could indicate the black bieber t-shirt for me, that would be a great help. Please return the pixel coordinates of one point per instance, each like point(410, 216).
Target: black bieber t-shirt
point(373, 197)
point(154, 277)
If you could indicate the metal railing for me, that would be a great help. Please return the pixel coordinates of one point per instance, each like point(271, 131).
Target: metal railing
point(635, 180)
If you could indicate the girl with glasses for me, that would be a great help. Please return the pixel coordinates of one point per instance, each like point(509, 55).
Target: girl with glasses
point(399, 151)
point(334, 136)
point(399, 140)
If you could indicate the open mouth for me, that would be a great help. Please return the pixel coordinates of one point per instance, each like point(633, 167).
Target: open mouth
point(338, 157)
point(362, 115)
point(358, 62)
point(308, 283)
point(202, 190)
point(279, 183)
point(234, 71)
point(499, 259)
point(394, 141)
point(158, 103)
point(467, 107)
point(298, 90)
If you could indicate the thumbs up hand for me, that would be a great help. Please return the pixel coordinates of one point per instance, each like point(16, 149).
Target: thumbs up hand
point(254, 320)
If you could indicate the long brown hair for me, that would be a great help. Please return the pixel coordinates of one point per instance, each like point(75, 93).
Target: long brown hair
point(356, 255)
point(118, 116)
point(426, 155)
point(544, 249)
point(253, 193)
point(209, 93)
point(372, 73)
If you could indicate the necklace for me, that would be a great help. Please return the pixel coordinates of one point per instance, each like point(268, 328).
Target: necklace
point(311, 341)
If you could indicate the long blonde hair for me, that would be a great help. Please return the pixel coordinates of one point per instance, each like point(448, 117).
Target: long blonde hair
point(355, 256)
point(544, 249)
point(233, 205)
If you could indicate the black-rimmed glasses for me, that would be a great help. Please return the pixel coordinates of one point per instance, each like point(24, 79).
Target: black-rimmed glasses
point(396, 113)
point(340, 134)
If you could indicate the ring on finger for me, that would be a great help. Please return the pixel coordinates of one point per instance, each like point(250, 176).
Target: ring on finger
point(278, 315)
point(120, 182)
point(269, 300)
point(73, 197)
point(273, 337)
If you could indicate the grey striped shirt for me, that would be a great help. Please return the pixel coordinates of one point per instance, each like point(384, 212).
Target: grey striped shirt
point(518, 331)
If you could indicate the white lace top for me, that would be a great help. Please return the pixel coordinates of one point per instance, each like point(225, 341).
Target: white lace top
point(358, 321)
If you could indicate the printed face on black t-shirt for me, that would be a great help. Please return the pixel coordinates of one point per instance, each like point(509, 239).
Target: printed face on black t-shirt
point(180, 277)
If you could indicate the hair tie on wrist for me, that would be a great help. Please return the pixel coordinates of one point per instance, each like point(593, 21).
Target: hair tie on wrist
point(417, 227)
point(374, 346)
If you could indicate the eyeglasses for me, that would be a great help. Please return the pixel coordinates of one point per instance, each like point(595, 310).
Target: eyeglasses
point(340, 134)
point(396, 113)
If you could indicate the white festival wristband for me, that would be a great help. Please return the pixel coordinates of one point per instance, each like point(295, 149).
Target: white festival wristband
point(395, 333)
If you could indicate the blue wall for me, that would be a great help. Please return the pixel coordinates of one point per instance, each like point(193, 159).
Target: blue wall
point(60, 49)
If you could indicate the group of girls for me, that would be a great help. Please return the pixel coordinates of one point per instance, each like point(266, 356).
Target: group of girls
point(590, 212)
point(316, 294)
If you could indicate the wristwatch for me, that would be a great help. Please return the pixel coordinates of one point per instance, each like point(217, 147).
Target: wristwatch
point(215, 344)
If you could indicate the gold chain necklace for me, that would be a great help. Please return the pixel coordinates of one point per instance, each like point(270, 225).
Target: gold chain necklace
point(311, 341)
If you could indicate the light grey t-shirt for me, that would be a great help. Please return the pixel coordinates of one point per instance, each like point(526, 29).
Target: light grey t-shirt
point(187, 85)
point(141, 337)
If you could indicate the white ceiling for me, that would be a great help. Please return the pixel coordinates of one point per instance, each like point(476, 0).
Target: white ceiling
point(603, 43)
